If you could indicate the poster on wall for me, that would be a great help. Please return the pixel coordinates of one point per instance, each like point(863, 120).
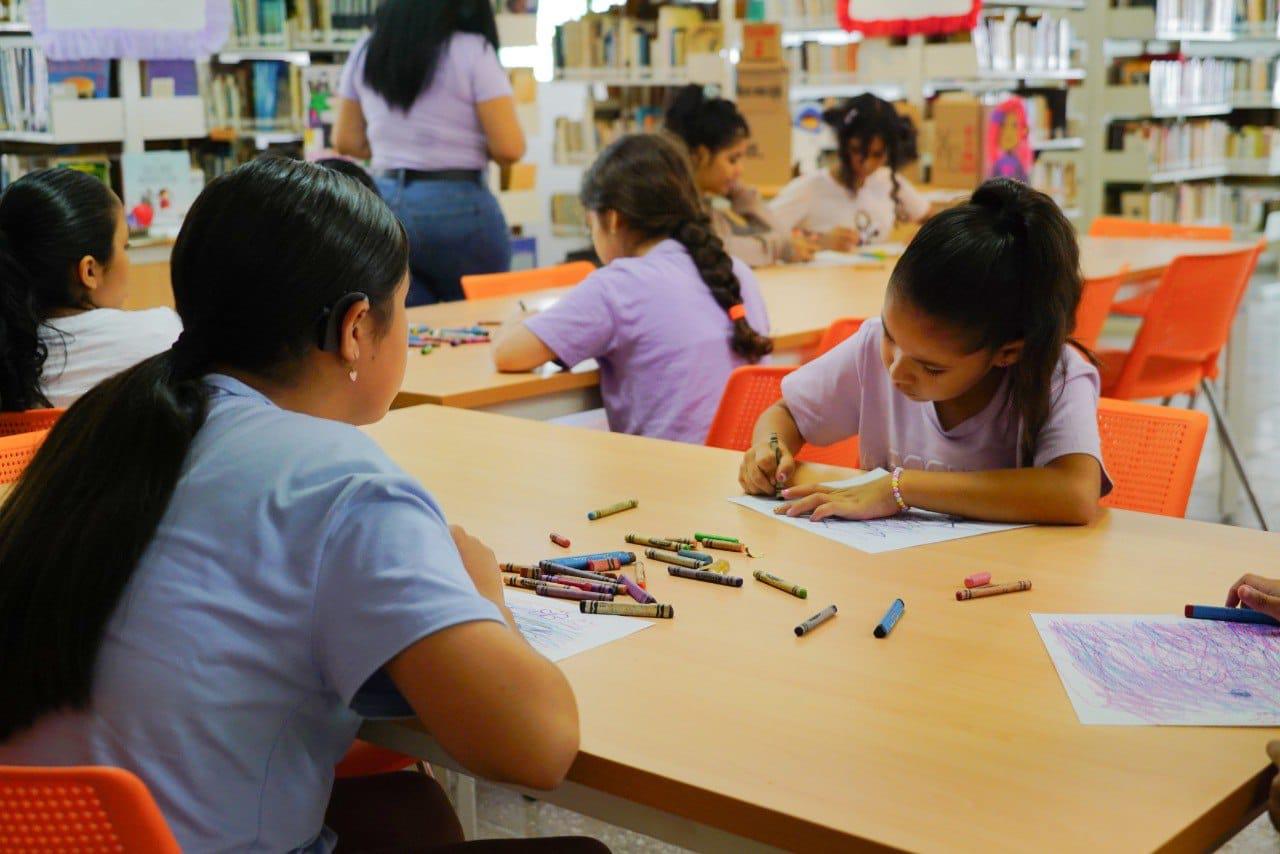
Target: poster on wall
point(908, 17)
point(1007, 149)
point(129, 29)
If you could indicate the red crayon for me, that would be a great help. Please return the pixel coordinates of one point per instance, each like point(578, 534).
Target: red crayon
point(978, 579)
point(562, 542)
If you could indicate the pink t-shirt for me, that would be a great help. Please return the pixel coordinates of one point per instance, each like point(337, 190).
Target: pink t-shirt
point(441, 130)
point(662, 341)
point(848, 392)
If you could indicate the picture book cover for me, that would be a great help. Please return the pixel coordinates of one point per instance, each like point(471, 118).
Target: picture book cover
point(159, 187)
point(81, 78)
point(1007, 149)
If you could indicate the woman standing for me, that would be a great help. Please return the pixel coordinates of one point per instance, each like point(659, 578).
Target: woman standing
point(425, 97)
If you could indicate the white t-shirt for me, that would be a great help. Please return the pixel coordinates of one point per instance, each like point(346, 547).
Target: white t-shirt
point(85, 349)
point(819, 203)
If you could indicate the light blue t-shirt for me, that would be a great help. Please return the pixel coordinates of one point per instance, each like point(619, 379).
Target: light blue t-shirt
point(294, 560)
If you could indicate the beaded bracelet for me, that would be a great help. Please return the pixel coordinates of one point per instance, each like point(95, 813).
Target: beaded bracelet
point(896, 485)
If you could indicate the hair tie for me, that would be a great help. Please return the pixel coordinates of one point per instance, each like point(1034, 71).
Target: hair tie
point(711, 91)
point(188, 352)
point(850, 116)
point(737, 312)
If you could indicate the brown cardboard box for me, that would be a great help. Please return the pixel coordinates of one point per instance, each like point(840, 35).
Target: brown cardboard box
point(957, 141)
point(765, 102)
point(910, 111)
point(761, 44)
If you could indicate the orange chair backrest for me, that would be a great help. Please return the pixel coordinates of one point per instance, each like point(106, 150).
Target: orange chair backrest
point(17, 452)
point(29, 421)
point(1115, 226)
point(1151, 453)
point(1191, 313)
point(840, 329)
point(365, 759)
point(750, 391)
point(1095, 305)
point(47, 810)
point(519, 282)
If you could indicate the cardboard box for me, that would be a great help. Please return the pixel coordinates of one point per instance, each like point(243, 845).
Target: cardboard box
point(957, 141)
point(761, 44)
point(912, 112)
point(765, 102)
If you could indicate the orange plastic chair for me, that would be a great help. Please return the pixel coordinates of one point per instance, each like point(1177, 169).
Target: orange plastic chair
point(518, 282)
point(364, 760)
point(1095, 305)
point(750, 391)
point(840, 329)
point(17, 452)
point(1115, 226)
point(1151, 453)
point(1182, 336)
point(56, 810)
point(29, 421)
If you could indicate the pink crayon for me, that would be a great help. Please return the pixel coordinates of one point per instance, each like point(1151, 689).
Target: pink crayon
point(582, 584)
point(978, 579)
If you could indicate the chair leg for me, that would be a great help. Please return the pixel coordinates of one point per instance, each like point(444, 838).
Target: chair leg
point(1191, 400)
point(1224, 432)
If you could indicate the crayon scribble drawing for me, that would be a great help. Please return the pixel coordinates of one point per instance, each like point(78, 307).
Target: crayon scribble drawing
point(557, 629)
point(914, 528)
point(1146, 670)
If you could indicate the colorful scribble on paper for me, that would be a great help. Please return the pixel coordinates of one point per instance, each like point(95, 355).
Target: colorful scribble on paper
point(558, 630)
point(1158, 670)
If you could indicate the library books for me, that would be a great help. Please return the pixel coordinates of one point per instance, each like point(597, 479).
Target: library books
point(24, 89)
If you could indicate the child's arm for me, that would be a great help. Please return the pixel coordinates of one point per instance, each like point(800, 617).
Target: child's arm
point(1062, 492)
point(349, 132)
point(763, 466)
point(516, 349)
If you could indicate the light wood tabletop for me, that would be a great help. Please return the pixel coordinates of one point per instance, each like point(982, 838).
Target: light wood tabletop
point(802, 302)
point(954, 733)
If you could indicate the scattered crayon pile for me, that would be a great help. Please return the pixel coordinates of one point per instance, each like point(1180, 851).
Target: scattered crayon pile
point(592, 580)
point(428, 337)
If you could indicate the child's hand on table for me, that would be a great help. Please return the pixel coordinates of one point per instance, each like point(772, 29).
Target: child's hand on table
point(872, 500)
point(840, 239)
point(764, 470)
point(803, 246)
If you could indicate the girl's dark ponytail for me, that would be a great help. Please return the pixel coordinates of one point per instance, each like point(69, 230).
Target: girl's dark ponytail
point(712, 123)
point(49, 220)
point(647, 180)
point(1004, 267)
point(716, 268)
point(263, 252)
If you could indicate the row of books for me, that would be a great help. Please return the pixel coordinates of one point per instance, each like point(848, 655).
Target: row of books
point(620, 43)
point(815, 59)
point(1191, 82)
point(1058, 180)
point(1180, 145)
point(577, 142)
point(1253, 142)
point(1006, 43)
point(260, 96)
point(260, 23)
point(1216, 16)
point(1244, 207)
point(24, 89)
point(280, 24)
point(13, 11)
point(14, 166)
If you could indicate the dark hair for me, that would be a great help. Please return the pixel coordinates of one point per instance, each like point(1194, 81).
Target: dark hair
point(1003, 267)
point(865, 118)
point(646, 179)
point(408, 37)
point(49, 221)
point(713, 123)
point(264, 251)
point(343, 166)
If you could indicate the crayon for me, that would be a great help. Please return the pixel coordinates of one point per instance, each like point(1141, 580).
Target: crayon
point(555, 591)
point(635, 591)
point(551, 567)
point(562, 542)
point(978, 579)
point(890, 619)
point(581, 561)
point(700, 557)
point(655, 542)
point(672, 557)
point(777, 462)
point(640, 577)
point(528, 583)
point(604, 564)
point(1229, 615)
point(992, 590)
point(723, 545)
point(684, 541)
point(582, 584)
point(627, 609)
point(523, 307)
point(816, 620)
point(704, 537)
point(782, 584)
point(703, 575)
point(518, 568)
point(629, 504)
point(720, 566)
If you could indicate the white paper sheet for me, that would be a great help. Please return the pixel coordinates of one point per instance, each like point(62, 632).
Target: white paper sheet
point(870, 255)
point(913, 528)
point(558, 629)
point(1136, 670)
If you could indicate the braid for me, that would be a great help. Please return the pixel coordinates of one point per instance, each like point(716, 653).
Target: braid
point(716, 269)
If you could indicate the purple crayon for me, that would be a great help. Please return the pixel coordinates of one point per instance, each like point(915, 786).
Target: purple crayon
point(553, 566)
point(635, 591)
point(583, 584)
point(557, 592)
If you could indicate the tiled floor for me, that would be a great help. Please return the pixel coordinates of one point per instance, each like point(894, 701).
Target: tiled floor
point(503, 814)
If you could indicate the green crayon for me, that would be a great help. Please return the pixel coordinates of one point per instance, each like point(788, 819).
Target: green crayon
point(782, 584)
point(629, 504)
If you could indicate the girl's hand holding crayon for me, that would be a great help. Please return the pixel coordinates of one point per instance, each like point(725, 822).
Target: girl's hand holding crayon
point(872, 500)
point(840, 239)
point(1257, 593)
point(803, 246)
point(766, 468)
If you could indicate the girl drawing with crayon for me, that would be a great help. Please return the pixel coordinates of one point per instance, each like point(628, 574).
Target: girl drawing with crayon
point(967, 388)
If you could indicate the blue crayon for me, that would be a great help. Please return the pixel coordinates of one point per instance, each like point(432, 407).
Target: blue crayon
point(890, 619)
point(580, 561)
point(1229, 615)
point(701, 557)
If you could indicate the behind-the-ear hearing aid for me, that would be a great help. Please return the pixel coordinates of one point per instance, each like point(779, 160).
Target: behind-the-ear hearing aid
point(331, 319)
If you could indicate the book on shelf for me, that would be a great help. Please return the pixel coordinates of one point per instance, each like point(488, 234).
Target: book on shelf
point(168, 78)
point(159, 188)
point(1007, 43)
point(263, 95)
point(259, 23)
point(80, 78)
point(1216, 16)
point(319, 102)
point(610, 41)
point(13, 11)
point(24, 89)
point(815, 12)
point(1191, 144)
point(817, 60)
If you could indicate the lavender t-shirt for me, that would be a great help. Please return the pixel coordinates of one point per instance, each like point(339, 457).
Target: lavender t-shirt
point(662, 340)
point(848, 392)
point(441, 130)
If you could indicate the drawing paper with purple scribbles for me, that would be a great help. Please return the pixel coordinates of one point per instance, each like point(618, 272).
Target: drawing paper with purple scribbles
point(913, 528)
point(558, 629)
point(1136, 670)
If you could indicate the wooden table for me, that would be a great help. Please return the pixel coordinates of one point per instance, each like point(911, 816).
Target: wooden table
point(953, 734)
point(802, 302)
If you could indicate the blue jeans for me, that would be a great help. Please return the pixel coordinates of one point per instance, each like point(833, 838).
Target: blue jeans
point(455, 229)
